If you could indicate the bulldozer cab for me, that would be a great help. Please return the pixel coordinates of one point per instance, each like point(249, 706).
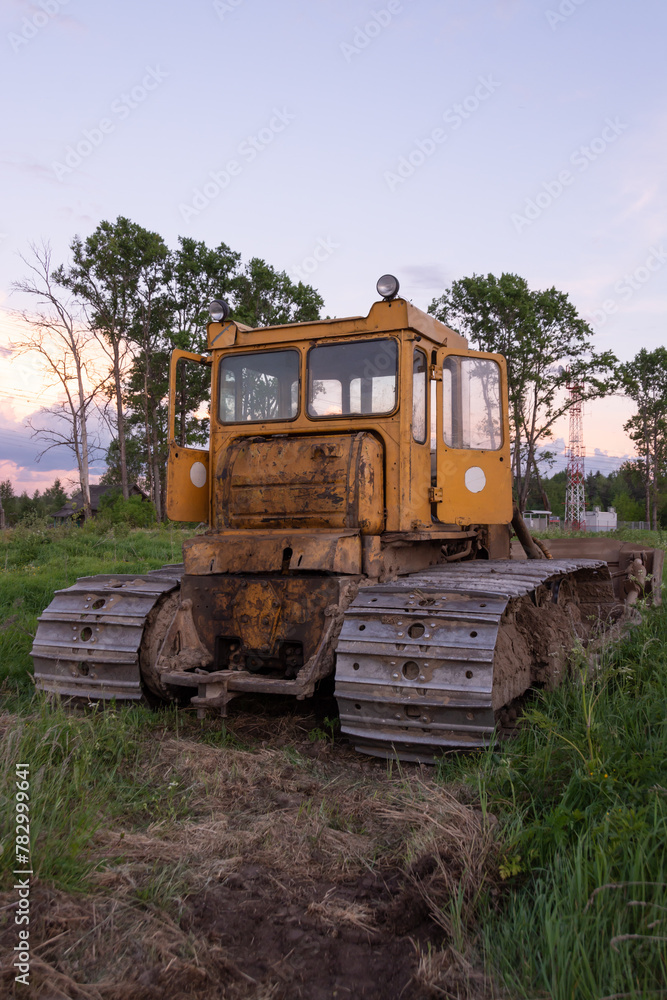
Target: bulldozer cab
point(333, 426)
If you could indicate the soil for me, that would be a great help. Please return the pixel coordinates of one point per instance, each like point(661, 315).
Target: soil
point(283, 933)
point(307, 871)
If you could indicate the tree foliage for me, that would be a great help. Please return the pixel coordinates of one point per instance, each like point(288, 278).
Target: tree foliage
point(645, 381)
point(30, 508)
point(547, 346)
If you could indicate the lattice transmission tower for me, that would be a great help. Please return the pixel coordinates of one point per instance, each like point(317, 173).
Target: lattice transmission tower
point(575, 497)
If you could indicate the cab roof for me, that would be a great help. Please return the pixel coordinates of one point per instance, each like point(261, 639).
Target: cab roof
point(384, 317)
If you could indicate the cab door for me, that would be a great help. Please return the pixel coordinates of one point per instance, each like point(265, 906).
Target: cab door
point(188, 472)
point(473, 467)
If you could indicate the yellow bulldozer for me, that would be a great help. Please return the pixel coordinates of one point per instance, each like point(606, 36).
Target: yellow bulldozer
point(357, 489)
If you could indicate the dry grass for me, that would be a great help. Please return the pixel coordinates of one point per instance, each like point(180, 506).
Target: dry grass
point(306, 823)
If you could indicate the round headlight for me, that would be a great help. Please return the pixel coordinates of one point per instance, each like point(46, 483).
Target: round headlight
point(219, 310)
point(388, 286)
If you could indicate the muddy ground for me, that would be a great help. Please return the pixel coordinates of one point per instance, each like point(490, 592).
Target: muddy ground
point(301, 870)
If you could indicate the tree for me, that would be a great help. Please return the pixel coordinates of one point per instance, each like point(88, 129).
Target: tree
point(104, 276)
point(645, 381)
point(54, 497)
point(546, 345)
point(198, 274)
point(265, 297)
point(142, 300)
point(149, 333)
point(57, 335)
point(134, 462)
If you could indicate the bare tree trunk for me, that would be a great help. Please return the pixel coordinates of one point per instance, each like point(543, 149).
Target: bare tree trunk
point(2, 516)
point(120, 421)
point(157, 478)
point(545, 498)
point(654, 478)
point(84, 471)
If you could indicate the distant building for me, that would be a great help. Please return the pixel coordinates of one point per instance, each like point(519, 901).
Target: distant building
point(73, 509)
point(601, 520)
point(537, 519)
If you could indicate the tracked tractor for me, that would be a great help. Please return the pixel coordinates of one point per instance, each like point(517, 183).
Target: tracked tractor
point(357, 496)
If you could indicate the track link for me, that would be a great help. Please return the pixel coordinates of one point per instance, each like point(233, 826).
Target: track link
point(415, 657)
point(87, 640)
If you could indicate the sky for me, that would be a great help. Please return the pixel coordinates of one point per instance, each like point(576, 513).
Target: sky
point(339, 140)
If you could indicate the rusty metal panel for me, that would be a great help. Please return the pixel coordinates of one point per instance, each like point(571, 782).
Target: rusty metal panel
point(261, 611)
point(188, 484)
point(476, 484)
point(188, 469)
point(323, 481)
point(267, 552)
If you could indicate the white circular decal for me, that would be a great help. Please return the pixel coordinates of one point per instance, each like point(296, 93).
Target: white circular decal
point(198, 474)
point(475, 479)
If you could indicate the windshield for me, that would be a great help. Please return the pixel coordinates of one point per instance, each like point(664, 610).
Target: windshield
point(262, 386)
point(351, 379)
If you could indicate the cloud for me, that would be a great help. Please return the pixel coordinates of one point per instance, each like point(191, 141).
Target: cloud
point(431, 277)
point(32, 168)
point(24, 479)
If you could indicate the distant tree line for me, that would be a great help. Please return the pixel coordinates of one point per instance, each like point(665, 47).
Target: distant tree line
point(624, 490)
point(24, 507)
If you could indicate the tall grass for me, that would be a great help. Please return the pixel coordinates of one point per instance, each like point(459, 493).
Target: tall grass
point(87, 770)
point(649, 539)
point(582, 799)
point(36, 560)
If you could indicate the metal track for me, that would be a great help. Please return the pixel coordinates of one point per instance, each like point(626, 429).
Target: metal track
point(415, 657)
point(87, 640)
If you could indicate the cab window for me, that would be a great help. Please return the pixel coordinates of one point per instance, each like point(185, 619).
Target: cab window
point(259, 386)
point(471, 410)
point(419, 383)
point(350, 379)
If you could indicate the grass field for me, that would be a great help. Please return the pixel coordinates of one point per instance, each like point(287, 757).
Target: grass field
point(534, 872)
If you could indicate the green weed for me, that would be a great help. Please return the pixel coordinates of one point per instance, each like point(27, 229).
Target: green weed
point(39, 559)
point(582, 799)
point(86, 772)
